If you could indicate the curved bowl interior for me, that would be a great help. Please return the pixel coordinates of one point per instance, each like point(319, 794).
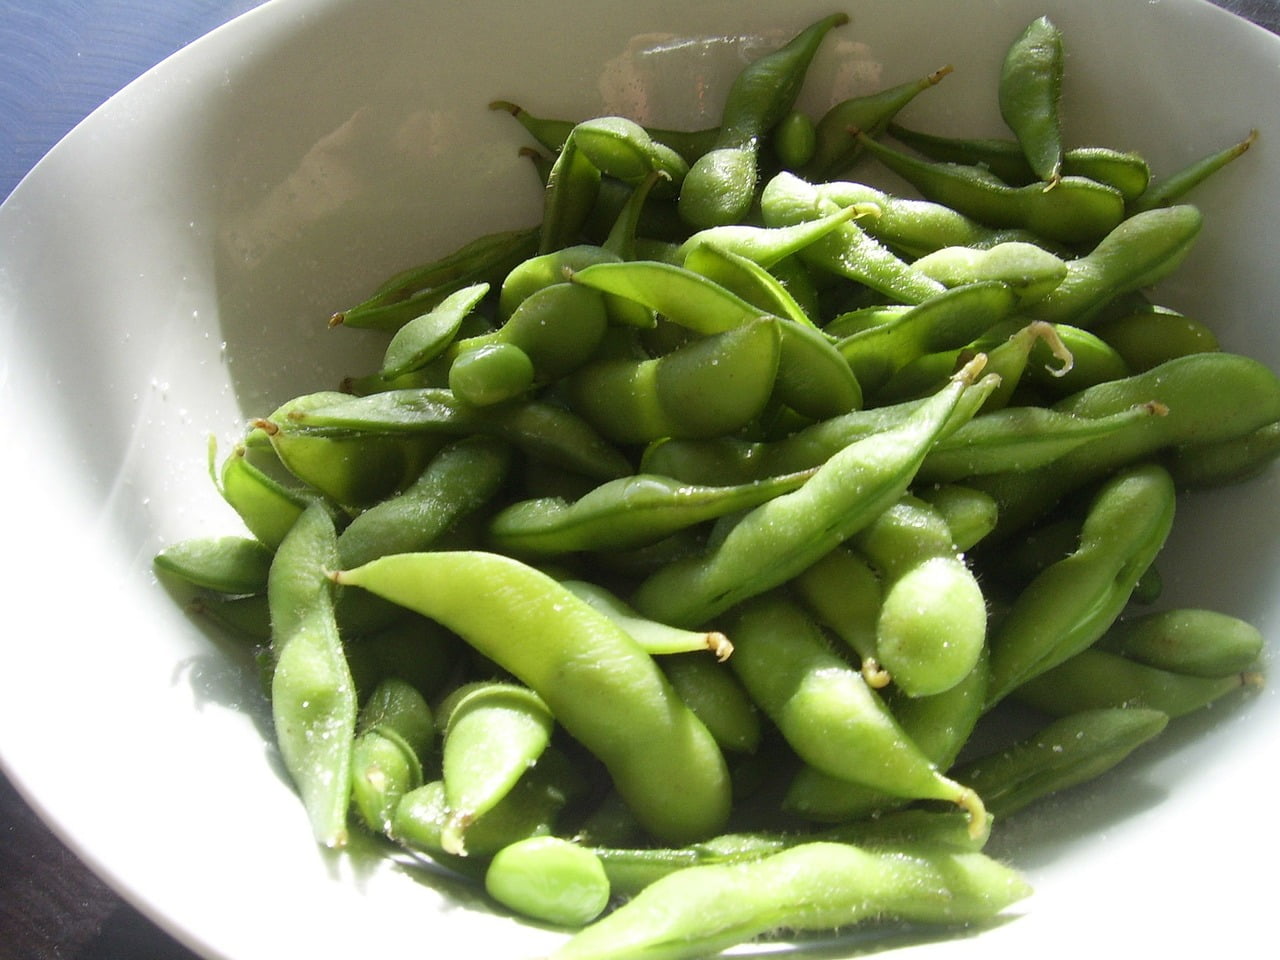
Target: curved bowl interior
point(168, 271)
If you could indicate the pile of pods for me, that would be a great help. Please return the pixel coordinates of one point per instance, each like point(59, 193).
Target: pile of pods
point(677, 572)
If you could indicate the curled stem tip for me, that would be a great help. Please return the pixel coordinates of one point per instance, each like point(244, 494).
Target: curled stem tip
point(265, 425)
point(337, 320)
point(719, 644)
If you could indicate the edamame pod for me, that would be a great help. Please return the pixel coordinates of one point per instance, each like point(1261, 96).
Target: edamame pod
point(313, 697)
point(820, 886)
point(492, 733)
point(721, 184)
point(394, 730)
point(624, 513)
point(1029, 91)
point(776, 540)
point(1072, 602)
point(661, 757)
point(1066, 753)
point(826, 711)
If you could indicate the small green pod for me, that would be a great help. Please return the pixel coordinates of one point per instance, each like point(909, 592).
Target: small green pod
point(1075, 210)
point(1095, 679)
point(573, 184)
point(813, 886)
point(229, 564)
point(549, 880)
point(710, 386)
point(1217, 463)
point(426, 337)
point(1146, 338)
point(1136, 253)
point(826, 711)
point(492, 733)
point(621, 148)
point(939, 726)
point(313, 695)
point(1126, 171)
point(721, 184)
point(915, 227)
point(1093, 361)
point(268, 507)
point(773, 542)
point(351, 469)
point(411, 293)
point(660, 756)
point(1169, 190)
point(795, 139)
point(394, 730)
point(1030, 270)
point(460, 479)
point(1029, 93)
point(1069, 751)
point(949, 320)
point(1188, 640)
point(532, 809)
point(657, 639)
point(429, 415)
point(1206, 398)
point(932, 624)
point(844, 594)
point(491, 373)
point(716, 697)
point(932, 621)
point(835, 141)
point(622, 514)
point(848, 251)
point(970, 514)
point(1072, 602)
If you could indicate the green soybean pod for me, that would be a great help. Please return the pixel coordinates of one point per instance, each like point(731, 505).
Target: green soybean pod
point(794, 139)
point(848, 251)
point(1234, 460)
point(601, 686)
point(716, 697)
point(1097, 679)
point(268, 507)
point(1149, 336)
point(1067, 752)
point(773, 542)
point(313, 696)
point(710, 386)
point(460, 479)
point(826, 711)
point(1075, 210)
point(491, 373)
point(1138, 252)
point(416, 291)
point(492, 733)
point(657, 638)
point(621, 514)
point(394, 731)
point(1168, 190)
point(844, 593)
point(550, 880)
point(721, 184)
point(1188, 640)
point(1029, 93)
point(354, 470)
point(704, 909)
point(1072, 602)
point(836, 146)
point(228, 564)
point(426, 337)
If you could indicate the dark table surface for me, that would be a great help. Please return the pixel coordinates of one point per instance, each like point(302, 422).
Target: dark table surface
point(61, 59)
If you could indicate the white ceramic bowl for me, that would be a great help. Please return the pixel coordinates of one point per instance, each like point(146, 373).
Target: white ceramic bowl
point(166, 273)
